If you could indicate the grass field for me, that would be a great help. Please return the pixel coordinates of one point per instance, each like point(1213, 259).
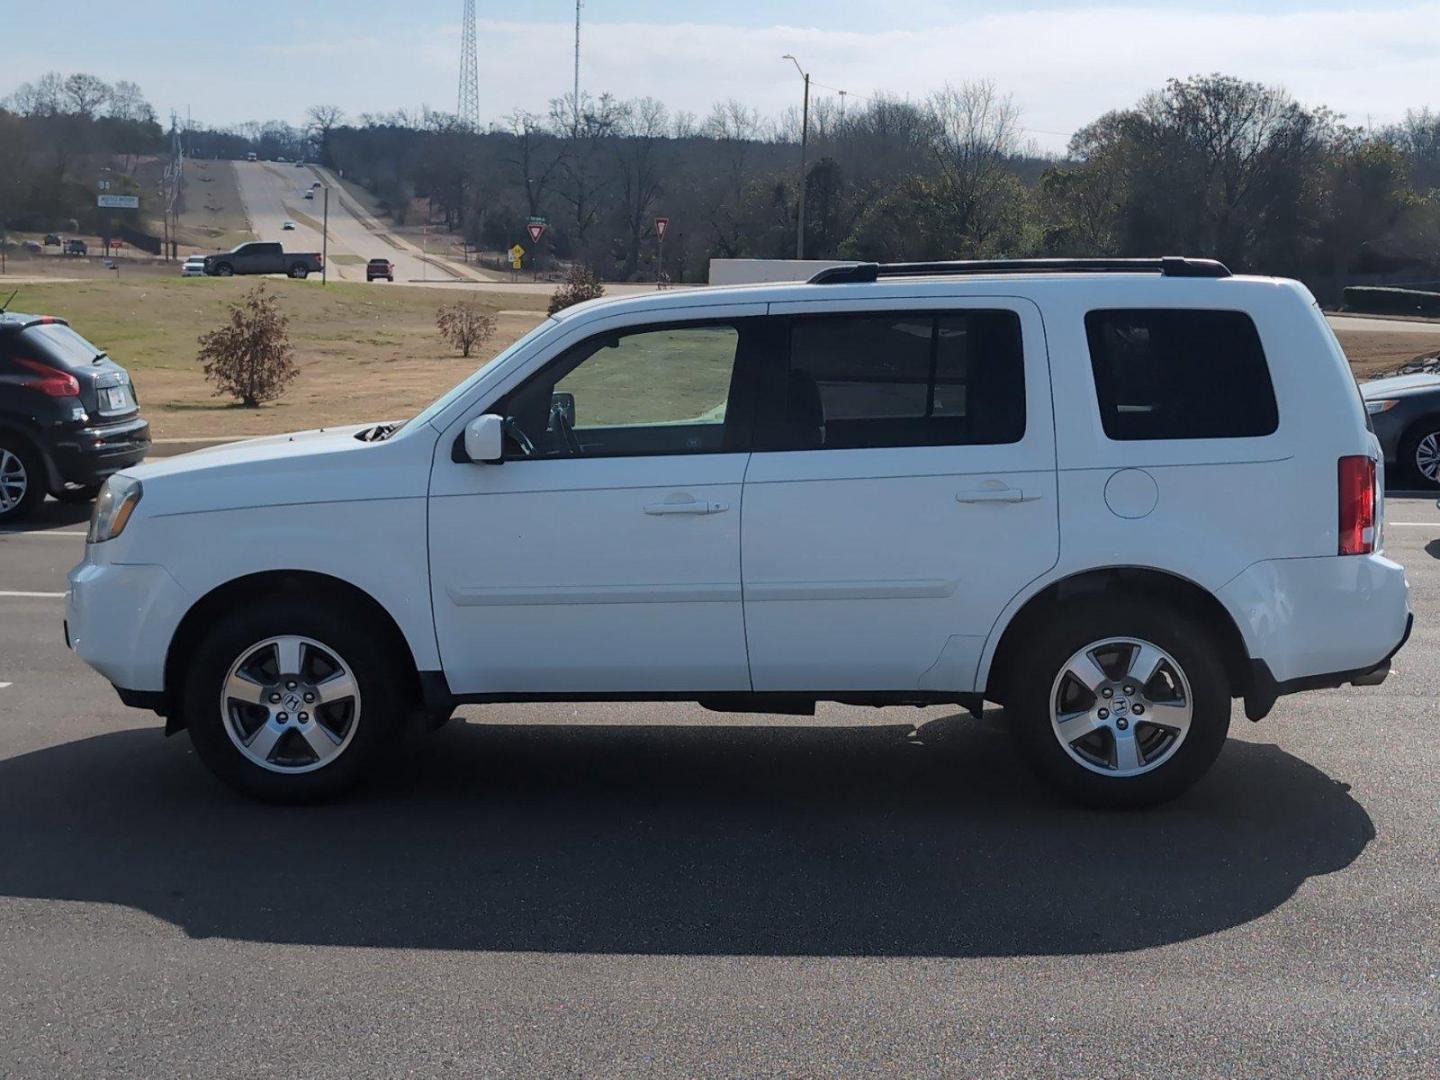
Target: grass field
point(365, 352)
point(213, 217)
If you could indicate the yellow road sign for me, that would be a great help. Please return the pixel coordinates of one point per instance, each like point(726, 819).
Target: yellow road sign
point(516, 252)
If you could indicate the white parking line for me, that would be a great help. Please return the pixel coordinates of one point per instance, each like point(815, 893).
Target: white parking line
point(6, 685)
point(1415, 524)
point(34, 595)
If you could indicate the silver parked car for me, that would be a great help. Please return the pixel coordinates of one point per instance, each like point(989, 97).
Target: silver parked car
point(1405, 413)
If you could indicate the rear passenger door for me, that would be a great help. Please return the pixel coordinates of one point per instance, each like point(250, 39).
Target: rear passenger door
point(902, 491)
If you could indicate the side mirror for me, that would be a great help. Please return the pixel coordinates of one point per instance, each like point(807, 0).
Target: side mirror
point(563, 403)
point(484, 439)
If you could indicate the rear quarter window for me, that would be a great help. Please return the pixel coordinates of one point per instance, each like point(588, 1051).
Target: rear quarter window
point(1180, 374)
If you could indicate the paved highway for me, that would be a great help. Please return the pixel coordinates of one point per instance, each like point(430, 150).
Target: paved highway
point(275, 192)
point(657, 890)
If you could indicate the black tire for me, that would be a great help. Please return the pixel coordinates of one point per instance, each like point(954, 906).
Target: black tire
point(27, 466)
point(1410, 470)
point(380, 674)
point(77, 493)
point(299, 273)
point(224, 270)
point(1050, 647)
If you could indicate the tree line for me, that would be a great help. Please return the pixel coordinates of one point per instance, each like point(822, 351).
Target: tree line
point(1208, 165)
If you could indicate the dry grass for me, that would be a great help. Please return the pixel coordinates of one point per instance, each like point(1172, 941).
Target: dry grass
point(1370, 354)
point(213, 218)
point(366, 352)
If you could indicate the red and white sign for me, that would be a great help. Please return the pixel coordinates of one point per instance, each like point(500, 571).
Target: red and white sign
point(661, 225)
point(536, 229)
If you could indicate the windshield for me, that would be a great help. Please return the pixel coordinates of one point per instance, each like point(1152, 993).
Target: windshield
point(440, 404)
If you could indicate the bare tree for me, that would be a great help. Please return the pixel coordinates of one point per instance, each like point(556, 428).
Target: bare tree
point(127, 102)
point(86, 93)
point(323, 120)
point(583, 177)
point(974, 132)
point(534, 154)
point(43, 97)
point(643, 162)
point(250, 358)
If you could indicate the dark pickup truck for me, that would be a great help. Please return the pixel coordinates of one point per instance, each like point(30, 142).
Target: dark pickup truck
point(263, 258)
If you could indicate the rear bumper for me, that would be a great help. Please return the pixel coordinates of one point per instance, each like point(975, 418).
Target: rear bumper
point(88, 455)
point(1322, 622)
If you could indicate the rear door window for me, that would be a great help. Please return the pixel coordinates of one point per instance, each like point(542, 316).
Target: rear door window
point(1180, 374)
point(899, 379)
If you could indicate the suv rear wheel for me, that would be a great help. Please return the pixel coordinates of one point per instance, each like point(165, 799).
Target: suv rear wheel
point(22, 486)
point(294, 700)
point(1121, 703)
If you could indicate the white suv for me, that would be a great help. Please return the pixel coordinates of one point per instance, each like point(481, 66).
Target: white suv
point(1111, 496)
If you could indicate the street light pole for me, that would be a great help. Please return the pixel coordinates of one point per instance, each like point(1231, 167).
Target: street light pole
point(804, 148)
point(325, 240)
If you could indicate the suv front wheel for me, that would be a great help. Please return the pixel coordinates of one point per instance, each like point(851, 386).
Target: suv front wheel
point(1121, 703)
point(294, 701)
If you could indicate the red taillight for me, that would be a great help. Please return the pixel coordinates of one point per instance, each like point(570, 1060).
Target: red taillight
point(48, 380)
point(1357, 505)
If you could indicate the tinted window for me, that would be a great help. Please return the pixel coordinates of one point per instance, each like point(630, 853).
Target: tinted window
point(895, 379)
point(1173, 374)
point(659, 390)
point(60, 345)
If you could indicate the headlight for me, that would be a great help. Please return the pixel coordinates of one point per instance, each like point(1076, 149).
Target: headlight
point(1373, 407)
point(114, 505)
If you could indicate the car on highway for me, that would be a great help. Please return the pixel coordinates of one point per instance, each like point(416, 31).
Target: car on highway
point(193, 266)
point(379, 268)
point(1201, 521)
point(308, 194)
point(263, 257)
point(68, 415)
point(76, 247)
point(287, 225)
point(1405, 413)
point(252, 156)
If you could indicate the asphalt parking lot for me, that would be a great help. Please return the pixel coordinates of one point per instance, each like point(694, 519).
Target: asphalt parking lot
point(603, 891)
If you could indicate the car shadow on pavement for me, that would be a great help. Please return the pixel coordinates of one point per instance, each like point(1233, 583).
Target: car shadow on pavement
point(52, 514)
point(884, 841)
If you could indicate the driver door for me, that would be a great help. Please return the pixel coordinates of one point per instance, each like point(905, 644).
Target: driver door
point(602, 556)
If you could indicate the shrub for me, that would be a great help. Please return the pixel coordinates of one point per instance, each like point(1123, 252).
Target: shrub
point(250, 358)
point(1388, 301)
point(464, 325)
point(580, 284)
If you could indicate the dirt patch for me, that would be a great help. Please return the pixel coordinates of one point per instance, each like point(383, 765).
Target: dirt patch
point(1372, 354)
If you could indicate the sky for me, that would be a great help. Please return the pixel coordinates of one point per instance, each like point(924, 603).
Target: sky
point(1064, 63)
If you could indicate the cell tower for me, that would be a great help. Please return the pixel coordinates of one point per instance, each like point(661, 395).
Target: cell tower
point(469, 108)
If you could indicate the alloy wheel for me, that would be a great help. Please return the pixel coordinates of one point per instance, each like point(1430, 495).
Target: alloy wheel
point(1121, 707)
point(1427, 457)
point(14, 481)
point(290, 704)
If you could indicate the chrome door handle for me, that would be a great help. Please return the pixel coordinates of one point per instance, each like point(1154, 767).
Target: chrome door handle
point(691, 507)
point(991, 495)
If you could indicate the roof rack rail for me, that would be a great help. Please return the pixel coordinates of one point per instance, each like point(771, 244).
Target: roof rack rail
point(1170, 266)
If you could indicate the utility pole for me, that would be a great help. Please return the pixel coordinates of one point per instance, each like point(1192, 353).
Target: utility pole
point(804, 148)
point(578, 5)
point(325, 239)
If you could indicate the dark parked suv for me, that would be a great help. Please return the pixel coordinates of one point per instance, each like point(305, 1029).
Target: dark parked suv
point(68, 415)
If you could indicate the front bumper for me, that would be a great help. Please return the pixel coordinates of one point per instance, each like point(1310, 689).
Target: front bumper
point(121, 618)
point(88, 455)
